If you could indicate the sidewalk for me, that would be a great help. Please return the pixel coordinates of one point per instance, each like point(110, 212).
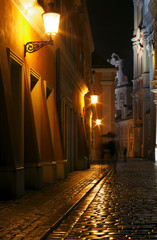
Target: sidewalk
point(31, 216)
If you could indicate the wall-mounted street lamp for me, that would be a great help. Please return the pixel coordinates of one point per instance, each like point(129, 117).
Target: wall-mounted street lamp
point(98, 121)
point(94, 99)
point(51, 23)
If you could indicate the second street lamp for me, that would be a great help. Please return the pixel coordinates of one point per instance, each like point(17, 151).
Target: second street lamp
point(94, 99)
point(98, 121)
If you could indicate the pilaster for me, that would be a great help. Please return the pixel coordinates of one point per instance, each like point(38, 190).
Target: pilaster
point(146, 58)
point(33, 175)
point(62, 169)
point(149, 48)
point(49, 172)
point(146, 101)
point(134, 40)
point(11, 182)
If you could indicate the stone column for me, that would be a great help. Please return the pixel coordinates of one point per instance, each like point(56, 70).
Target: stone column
point(151, 56)
point(146, 101)
point(146, 58)
point(136, 129)
point(135, 59)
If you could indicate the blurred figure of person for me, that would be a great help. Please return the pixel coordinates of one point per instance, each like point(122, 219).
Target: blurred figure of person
point(124, 154)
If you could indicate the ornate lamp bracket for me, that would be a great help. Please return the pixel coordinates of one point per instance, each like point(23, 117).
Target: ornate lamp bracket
point(32, 47)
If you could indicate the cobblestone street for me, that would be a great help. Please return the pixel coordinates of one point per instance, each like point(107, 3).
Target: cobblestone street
point(122, 206)
point(33, 214)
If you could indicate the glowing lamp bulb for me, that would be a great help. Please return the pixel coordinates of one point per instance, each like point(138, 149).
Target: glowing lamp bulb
point(94, 99)
point(98, 121)
point(51, 23)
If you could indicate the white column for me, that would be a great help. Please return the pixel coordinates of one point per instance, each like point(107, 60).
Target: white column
point(146, 58)
point(135, 60)
point(151, 56)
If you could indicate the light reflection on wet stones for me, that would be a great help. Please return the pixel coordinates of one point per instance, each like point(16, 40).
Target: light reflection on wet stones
point(124, 208)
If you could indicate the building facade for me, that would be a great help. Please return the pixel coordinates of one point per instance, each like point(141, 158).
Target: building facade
point(103, 85)
point(144, 41)
point(123, 109)
point(144, 94)
point(42, 94)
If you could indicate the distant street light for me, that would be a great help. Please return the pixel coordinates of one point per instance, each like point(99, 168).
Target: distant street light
point(94, 99)
point(98, 121)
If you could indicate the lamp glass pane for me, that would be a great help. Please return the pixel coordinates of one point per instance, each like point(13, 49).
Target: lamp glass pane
point(94, 99)
point(51, 22)
point(98, 121)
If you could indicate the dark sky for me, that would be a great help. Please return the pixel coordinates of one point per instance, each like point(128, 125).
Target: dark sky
point(112, 26)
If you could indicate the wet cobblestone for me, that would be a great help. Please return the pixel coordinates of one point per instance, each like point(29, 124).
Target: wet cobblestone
point(31, 216)
point(125, 207)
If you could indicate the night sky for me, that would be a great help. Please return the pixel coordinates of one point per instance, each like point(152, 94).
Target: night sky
point(112, 27)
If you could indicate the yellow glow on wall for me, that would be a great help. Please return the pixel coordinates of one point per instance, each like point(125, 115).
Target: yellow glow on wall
point(85, 91)
point(154, 59)
point(32, 11)
point(91, 120)
point(28, 4)
point(82, 102)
